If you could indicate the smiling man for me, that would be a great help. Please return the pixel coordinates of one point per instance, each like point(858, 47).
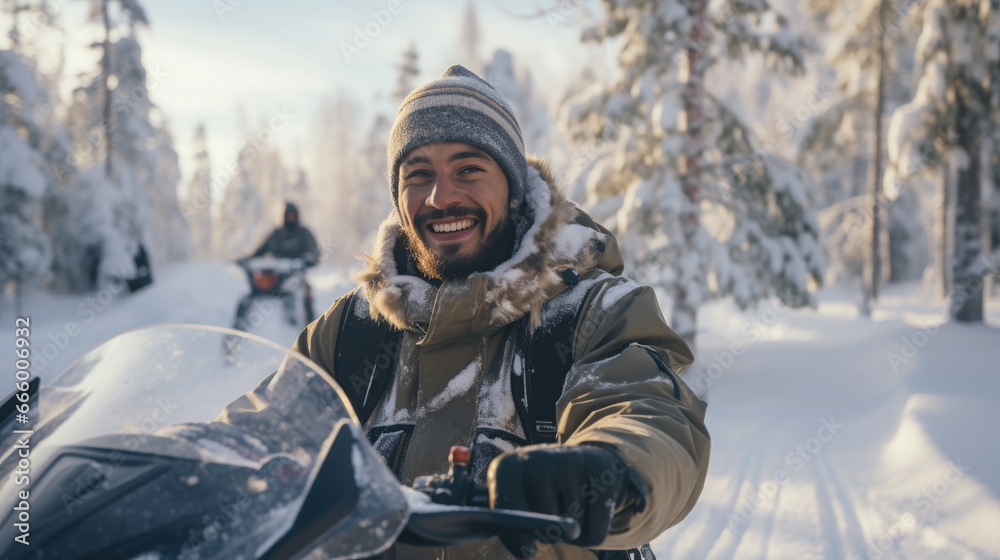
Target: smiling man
point(454, 198)
point(493, 315)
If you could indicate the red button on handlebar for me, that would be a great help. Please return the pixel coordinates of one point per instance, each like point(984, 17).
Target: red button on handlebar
point(459, 454)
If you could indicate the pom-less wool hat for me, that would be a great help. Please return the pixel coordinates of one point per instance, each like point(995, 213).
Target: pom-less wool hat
point(461, 107)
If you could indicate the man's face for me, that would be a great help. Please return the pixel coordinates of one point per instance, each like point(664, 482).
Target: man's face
point(454, 200)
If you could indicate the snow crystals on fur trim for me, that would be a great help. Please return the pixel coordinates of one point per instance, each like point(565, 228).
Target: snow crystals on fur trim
point(566, 245)
point(538, 196)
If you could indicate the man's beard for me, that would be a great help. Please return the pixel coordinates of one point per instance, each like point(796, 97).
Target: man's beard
point(495, 248)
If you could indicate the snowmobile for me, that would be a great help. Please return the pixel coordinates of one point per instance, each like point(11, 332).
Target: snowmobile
point(274, 278)
point(154, 445)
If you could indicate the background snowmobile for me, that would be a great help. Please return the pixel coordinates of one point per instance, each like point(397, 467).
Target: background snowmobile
point(274, 278)
point(270, 279)
point(129, 457)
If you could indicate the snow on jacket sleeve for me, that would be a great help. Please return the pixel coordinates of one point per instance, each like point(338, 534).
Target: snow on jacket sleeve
point(615, 396)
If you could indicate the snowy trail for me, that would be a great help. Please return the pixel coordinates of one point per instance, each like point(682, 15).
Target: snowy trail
point(65, 327)
point(781, 485)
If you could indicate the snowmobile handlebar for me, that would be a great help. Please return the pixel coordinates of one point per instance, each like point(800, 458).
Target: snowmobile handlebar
point(454, 525)
point(449, 509)
point(277, 264)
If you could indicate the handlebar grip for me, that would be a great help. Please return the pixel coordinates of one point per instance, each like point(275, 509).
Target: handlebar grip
point(479, 496)
point(454, 525)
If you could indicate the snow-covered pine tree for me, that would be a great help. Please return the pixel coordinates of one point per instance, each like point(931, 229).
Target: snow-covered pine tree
point(242, 223)
point(199, 204)
point(953, 111)
point(993, 209)
point(38, 122)
point(531, 114)
point(170, 228)
point(408, 69)
point(111, 123)
point(500, 73)
point(269, 176)
point(340, 191)
point(469, 39)
point(364, 204)
point(679, 155)
point(123, 207)
point(373, 202)
point(837, 148)
point(25, 249)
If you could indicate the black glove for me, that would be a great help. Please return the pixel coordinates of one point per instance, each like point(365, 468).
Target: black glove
point(583, 482)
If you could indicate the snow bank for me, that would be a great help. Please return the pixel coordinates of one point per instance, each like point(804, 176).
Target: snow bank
point(840, 437)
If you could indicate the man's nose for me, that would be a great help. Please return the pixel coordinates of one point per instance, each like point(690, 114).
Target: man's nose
point(444, 194)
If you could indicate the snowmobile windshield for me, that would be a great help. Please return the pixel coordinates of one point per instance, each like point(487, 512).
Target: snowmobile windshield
point(164, 443)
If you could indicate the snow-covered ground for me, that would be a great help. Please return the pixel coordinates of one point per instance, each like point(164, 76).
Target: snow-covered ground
point(834, 436)
point(63, 327)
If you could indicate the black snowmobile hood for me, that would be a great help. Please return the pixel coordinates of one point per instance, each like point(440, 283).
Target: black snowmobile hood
point(140, 450)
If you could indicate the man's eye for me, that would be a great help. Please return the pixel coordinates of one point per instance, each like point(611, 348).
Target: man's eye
point(418, 173)
point(470, 169)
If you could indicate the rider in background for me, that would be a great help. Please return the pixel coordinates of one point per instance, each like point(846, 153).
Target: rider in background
point(293, 241)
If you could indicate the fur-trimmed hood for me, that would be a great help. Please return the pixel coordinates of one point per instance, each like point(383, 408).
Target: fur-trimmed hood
point(561, 238)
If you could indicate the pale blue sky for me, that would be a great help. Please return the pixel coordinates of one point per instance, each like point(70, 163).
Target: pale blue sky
point(267, 55)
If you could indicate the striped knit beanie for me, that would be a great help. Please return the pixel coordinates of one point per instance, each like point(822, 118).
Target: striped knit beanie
point(462, 107)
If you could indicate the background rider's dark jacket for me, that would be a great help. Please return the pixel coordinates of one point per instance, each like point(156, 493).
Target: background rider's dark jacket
point(292, 240)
